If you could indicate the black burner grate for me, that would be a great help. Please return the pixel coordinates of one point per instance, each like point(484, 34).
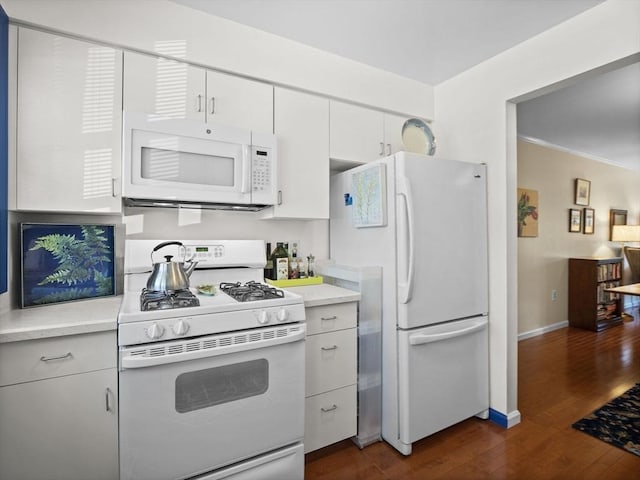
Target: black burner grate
point(151, 300)
point(250, 291)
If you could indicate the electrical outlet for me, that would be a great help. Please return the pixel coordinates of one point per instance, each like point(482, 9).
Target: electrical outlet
point(554, 295)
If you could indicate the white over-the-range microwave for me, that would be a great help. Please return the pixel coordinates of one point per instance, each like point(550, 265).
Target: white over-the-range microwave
point(178, 162)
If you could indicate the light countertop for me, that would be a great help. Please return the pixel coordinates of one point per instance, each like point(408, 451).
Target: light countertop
point(324, 294)
point(101, 314)
point(85, 316)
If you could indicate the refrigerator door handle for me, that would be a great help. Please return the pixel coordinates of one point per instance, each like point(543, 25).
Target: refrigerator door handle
point(421, 338)
point(405, 289)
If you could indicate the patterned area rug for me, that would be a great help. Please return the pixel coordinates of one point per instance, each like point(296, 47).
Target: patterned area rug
point(617, 422)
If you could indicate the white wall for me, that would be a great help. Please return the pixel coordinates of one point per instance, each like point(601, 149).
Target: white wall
point(476, 123)
point(542, 260)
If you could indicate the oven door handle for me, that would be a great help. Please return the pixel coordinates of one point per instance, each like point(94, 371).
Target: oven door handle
point(132, 357)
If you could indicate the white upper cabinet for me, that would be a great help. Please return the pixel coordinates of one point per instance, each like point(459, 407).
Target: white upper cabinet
point(302, 132)
point(359, 135)
point(356, 133)
point(178, 90)
point(163, 87)
point(239, 102)
point(68, 124)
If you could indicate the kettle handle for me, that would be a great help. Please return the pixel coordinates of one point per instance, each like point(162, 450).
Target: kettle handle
point(164, 244)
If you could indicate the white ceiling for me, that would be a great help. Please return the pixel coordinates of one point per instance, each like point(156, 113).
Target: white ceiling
point(433, 40)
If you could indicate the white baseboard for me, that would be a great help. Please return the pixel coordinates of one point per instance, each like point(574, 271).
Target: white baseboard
point(541, 330)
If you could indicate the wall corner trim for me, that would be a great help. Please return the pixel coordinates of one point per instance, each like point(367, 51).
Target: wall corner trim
point(506, 421)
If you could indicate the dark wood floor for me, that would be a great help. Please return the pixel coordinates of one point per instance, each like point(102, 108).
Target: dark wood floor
point(563, 376)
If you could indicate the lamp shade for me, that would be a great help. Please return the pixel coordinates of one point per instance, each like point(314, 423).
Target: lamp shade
point(625, 233)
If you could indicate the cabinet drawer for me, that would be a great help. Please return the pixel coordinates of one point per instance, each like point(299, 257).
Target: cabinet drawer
point(330, 417)
point(330, 361)
point(56, 356)
point(327, 318)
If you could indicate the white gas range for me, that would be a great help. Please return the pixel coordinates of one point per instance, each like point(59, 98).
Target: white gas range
point(215, 388)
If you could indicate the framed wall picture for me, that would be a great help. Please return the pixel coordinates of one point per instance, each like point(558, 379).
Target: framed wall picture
point(589, 218)
point(528, 209)
point(66, 262)
point(616, 217)
point(583, 191)
point(575, 220)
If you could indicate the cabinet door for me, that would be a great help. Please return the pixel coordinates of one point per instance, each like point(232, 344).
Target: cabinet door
point(69, 124)
point(239, 102)
point(393, 133)
point(61, 428)
point(302, 131)
point(163, 87)
point(356, 133)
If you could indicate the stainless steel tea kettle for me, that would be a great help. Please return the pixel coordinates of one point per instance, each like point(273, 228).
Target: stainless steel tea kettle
point(170, 276)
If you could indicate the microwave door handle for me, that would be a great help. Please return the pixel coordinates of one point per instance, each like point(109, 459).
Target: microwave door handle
point(246, 169)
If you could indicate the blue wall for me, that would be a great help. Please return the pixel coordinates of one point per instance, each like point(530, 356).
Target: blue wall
point(4, 65)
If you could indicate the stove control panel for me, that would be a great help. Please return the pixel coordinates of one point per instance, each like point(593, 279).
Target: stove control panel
point(181, 327)
point(204, 253)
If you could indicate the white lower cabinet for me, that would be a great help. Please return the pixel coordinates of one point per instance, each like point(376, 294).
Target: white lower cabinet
point(330, 417)
point(331, 374)
point(64, 426)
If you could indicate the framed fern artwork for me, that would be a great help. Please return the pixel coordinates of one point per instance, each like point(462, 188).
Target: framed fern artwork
point(63, 263)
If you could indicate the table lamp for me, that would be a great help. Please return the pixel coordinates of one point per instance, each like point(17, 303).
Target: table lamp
point(625, 234)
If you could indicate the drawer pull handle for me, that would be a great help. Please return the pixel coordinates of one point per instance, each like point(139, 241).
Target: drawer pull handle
point(59, 357)
point(330, 409)
point(332, 347)
point(329, 318)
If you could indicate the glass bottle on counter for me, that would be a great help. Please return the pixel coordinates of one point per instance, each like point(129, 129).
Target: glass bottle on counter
point(302, 267)
point(268, 268)
point(311, 266)
point(293, 266)
point(280, 258)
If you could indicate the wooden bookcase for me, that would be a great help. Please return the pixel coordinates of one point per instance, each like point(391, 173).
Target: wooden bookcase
point(590, 307)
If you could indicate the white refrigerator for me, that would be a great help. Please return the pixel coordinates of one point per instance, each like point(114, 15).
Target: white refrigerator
point(424, 221)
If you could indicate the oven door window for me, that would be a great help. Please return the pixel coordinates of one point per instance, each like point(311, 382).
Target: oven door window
point(214, 386)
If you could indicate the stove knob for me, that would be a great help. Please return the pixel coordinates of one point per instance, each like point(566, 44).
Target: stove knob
point(282, 315)
point(155, 331)
point(180, 328)
point(263, 317)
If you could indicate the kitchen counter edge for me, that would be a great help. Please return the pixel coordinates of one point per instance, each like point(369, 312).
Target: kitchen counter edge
point(324, 294)
point(86, 316)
